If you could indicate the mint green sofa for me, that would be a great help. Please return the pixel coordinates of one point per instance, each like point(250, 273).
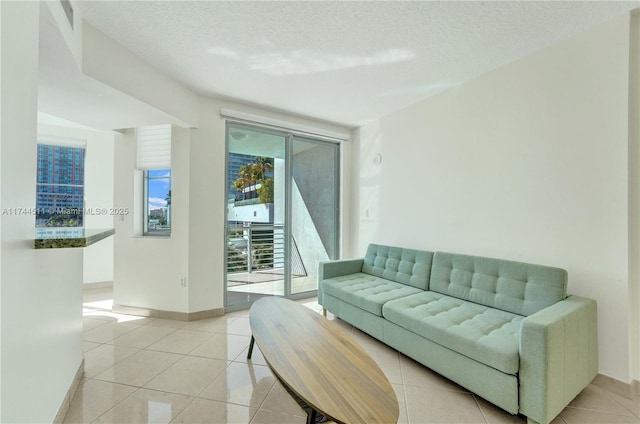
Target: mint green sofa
point(505, 330)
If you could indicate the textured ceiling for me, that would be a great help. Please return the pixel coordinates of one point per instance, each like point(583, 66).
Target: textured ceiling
point(343, 62)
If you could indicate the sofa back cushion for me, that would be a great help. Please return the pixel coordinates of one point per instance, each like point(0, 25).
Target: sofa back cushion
point(405, 266)
point(515, 287)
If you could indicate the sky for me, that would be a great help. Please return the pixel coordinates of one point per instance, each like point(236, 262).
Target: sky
point(158, 188)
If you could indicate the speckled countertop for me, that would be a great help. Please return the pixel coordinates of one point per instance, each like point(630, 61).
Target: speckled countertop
point(57, 238)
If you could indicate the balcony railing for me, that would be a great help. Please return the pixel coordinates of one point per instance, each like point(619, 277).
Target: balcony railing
point(260, 247)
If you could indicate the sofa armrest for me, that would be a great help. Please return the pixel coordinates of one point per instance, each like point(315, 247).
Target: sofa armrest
point(330, 269)
point(558, 356)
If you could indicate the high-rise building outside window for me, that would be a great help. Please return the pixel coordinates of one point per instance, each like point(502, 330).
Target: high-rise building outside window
point(60, 186)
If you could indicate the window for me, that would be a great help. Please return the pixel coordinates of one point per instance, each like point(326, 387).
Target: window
point(154, 160)
point(60, 186)
point(157, 185)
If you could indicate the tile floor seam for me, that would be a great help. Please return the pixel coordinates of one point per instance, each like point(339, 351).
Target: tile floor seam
point(282, 413)
point(241, 404)
point(206, 357)
point(202, 390)
point(153, 390)
point(404, 392)
point(200, 356)
point(610, 395)
point(637, 399)
point(118, 403)
point(558, 417)
point(139, 388)
point(146, 382)
point(162, 338)
point(161, 391)
point(183, 409)
point(463, 391)
point(266, 407)
point(146, 347)
point(212, 380)
point(602, 412)
point(112, 339)
point(114, 382)
point(204, 331)
point(484, 416)
point(188, 353)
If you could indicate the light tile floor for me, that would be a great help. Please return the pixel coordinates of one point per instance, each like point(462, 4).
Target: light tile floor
point(142, 370)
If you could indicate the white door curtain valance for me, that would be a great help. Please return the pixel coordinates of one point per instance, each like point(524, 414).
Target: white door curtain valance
point(290, 127)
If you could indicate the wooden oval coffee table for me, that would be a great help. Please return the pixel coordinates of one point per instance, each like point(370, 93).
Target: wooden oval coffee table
point(321, 364)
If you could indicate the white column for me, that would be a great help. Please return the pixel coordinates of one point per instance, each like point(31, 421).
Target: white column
point(40, 290)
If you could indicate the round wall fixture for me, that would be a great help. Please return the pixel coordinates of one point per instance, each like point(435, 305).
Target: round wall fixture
point(377, 159)
point(238, 135)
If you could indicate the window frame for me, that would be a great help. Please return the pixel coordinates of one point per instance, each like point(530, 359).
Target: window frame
point(146, 230)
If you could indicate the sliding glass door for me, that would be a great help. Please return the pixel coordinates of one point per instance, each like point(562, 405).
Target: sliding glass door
point(282, 213)
point(314, 210)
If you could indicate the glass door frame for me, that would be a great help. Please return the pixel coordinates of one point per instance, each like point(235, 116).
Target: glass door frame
point(302, 139)
point(290, 137)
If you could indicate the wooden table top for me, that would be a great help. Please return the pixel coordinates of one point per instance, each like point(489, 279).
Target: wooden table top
point(321, 363)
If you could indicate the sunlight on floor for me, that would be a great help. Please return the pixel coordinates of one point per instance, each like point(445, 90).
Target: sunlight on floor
point(102, 308)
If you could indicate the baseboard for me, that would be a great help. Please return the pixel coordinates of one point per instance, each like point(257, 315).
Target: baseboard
point(97, 285)
point(628, 390)
point(66, 403)
point(177, 316)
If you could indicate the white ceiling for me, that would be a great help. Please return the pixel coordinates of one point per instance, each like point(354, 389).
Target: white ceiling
point(342, 62)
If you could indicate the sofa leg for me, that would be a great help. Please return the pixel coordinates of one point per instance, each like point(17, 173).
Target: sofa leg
point(324, 312)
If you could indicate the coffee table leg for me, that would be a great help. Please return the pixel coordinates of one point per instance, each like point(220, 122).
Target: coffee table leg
point(311, 416)
point(251, 347)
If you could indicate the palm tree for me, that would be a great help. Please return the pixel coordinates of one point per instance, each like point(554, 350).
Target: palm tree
point(246, 178)
point(239, 185)
point(265, 165)
point(252, 174)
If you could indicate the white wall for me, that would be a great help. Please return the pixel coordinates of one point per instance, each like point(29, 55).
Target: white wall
point(208, 197)
point(634, 194)
point(528, 162)
point(98, 179)
point(40, 290)
point(72, 35)
point(259, 212)
point(148, 270)
point(109, 62)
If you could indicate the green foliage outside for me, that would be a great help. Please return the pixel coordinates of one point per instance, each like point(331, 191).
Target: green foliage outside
point(250, 176)
point(265, 192)
point(71, 219)
point(236, 261)
point(253, 174)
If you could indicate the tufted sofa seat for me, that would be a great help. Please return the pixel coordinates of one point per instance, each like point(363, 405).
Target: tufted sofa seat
point(505, 330)
point(368, 292)
point(482, 333)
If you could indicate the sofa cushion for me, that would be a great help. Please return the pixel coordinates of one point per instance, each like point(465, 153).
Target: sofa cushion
point(406, 266)
point(488, 335)
point(366, 291)
point(515, 287)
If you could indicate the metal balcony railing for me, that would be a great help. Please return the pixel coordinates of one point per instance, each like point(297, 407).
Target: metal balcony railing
point(260, 247)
